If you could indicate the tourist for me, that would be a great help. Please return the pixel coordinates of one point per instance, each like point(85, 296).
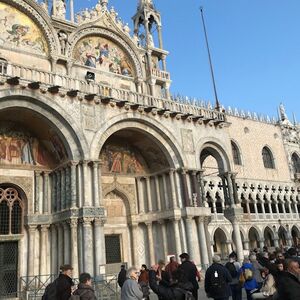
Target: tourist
point(257, 268)
point(64, 283)
point(217, 279)
point(85, 290)
point(190, 271)
point(131, 289)
point(268, 288)
point(233, 267)
point(172, 266)
point(289, 284)
point(246, 278)
point(144, 281)
point(122, 276)
point(179, 288)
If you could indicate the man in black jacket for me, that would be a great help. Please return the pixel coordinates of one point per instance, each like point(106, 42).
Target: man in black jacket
point(289, 284)
point(217, 279)
point(122, 276)
point(64, 283)
point(190, 271)
point(85, 290)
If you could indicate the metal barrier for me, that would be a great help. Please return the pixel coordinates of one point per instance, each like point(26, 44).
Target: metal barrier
point(32, 288)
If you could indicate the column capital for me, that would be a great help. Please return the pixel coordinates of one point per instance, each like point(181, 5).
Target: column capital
point(73, 163)
point(189, 218)
point(73, 222)
point(96, 163)
point(148, 223)
point(99, 221)
point(31, 228)
point(162, 221)
point(44, 228)
point(87, 221)
point(172, 170)
point(175, 219)
point(85, 161)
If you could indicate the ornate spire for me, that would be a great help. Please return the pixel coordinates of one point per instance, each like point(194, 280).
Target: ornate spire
point(145, 3)
point(104, 3)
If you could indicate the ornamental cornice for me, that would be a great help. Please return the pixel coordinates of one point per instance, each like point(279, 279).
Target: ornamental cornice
point(99, 31)
point(35, 12)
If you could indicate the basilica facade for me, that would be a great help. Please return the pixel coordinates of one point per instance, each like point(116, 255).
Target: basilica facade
point(100, 165)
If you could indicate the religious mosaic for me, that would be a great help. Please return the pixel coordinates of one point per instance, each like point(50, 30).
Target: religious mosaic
point(102, 54)
point(19, 147)
point(19, 31)
point(122, 159)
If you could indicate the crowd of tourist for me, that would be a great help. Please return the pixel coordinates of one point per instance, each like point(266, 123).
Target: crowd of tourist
point(263, 275)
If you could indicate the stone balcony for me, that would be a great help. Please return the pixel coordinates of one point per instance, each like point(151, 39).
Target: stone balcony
point(33, 78)
point(160, 75)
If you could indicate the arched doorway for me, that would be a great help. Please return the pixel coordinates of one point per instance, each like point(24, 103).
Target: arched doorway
point(269, 237)
point(220, 246)
point(138, 172)
point(296, 235)
point(116, 232)
point(253, 238)
point(12, 205)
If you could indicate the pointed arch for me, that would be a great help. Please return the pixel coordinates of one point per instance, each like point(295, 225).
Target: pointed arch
point(268, 158)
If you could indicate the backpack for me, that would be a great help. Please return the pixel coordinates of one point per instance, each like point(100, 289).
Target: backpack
point(232, 269)
point(248, 274)
point(50, 291)
point(217, 283)
point(77, 297)
point(187, 294)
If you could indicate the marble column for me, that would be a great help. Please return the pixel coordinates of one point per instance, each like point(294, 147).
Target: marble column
point(151, 243)
point(44, 253)
point(73, 166)
point(88, 245)
point(63, 188)
point(173, 188)
point(85, 184)
point(202, 242)
point(178, 189)
point(140, 194)
point(163, 227)
point(31, 249)
point(58, 191)
point(185, 189)
point(189, 233)
point(60, 245)
point(175, 223)
point(270, 209)
point(46, 193)
point(134, 235)
point(96, 165)
point(196, 188)
point(54, 254)
point(246, 245)
point(166, 195)
point(67, 243)
point(53, 193)
point(157, 188)
point(229, 246)
point(148, 185)
point(74, 246)
point(99, 244)
point(261, 244)
point(235, 220)
point(37, 176)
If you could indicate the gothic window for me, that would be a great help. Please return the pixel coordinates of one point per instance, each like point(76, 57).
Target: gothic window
point(236, 154)
point(296, 163)
point(11, 212)
point(268, 159)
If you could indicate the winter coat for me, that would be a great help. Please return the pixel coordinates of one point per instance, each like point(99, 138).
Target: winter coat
point(85, 292)
point(131, 290)
point(288, 287)
point(269, 285)
point(190, 271)
point(144, 276)
point(224, 279)
point(64, 287)
point(173, 292)
point(249, 285)
point(121, 277)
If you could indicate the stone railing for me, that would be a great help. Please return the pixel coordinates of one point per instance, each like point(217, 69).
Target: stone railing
point(46, 79)
point(160, 74)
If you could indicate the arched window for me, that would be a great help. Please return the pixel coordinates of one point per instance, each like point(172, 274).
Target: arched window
point(3, 66)
point(296, 163)
point(236, 154)
point(11, 212)
point(268, 158)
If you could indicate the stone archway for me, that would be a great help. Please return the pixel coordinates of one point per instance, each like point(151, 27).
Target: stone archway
point(295, 235)
point(269, 237)
point(254, 238)
point(220, 246)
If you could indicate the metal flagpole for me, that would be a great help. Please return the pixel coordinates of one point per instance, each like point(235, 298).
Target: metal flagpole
point(210, 61)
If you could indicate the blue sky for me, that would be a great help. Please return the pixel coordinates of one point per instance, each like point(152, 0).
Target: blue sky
point(255, 48)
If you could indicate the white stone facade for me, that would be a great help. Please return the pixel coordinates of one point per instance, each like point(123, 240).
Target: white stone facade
point(184, 191)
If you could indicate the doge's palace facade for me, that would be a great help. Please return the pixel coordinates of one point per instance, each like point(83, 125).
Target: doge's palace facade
point(100, 165)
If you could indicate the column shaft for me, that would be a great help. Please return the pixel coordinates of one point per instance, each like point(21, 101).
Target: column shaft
point(96, 183)
point(31, 250)
point(190, 242)
point(44, 247)
point(148, 183)
point(85, 184)
point(166, 195)
point(46, 193)
point(177, 237)
point(157, 188)
point(203, 244)
point(54, 257)
point(173, 189)
point(99, 245)
point(74, 247)
point(88, 246)
point(151, 243)
point(140, 195)
point(73, 185)
point(238, 240)
point(67, 243)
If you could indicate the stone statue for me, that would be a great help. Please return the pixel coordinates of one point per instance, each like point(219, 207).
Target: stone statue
point(60, 9)
point(283, 115)
point(63, 37)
